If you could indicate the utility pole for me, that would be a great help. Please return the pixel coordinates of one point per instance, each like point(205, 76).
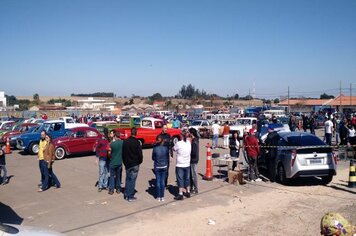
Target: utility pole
point(249, 97)
point(340, 98)
point(288, 101)
point(350, 94)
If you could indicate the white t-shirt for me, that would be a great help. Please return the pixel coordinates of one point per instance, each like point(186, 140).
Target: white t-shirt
point(216, 129)
point(351, 132)
point(328, 126)
point(183, 150)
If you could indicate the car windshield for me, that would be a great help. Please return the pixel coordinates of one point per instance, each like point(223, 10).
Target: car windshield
point(243, 122)
point(304, 141)
point(196, 123)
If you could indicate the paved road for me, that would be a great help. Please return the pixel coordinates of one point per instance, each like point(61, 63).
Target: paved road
point(77, 208)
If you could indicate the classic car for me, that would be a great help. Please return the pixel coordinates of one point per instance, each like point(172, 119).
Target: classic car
point(18, 129)
point(78, 140)
point(147, 133)
point(243, 124)
point(203, 127)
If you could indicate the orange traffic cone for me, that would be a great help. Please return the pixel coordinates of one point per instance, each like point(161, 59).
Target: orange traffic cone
point(209, 170)
point(7, 149)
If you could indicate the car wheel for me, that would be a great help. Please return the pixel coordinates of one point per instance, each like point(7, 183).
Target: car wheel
point(282, 175)
point(60, 153)
point(327, 179)
point(34, 148)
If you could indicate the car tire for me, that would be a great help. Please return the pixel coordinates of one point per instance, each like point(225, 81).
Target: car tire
point(59, 153)
point(327, 179)
point(282, 175)
point(34, 148)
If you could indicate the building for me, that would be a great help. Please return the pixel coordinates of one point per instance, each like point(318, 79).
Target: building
point(2, 101)
point(91, 104)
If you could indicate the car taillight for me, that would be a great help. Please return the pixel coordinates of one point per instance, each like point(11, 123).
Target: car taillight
point(294, 157)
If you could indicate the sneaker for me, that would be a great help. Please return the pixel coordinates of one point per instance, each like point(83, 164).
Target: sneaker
point(187, 195)
point(131, 199)
point(162, 199)
point(158, 199)
point(118, 191)
point(111, 192)
point(178, 198)
point(258, 180)
point(100, 189)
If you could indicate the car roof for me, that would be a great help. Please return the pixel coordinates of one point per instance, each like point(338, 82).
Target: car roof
point(285, 135)
point(83, 128)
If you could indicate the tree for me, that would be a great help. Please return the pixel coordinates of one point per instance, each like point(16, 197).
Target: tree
point(156, 97)
point(326, 96)
point(276, 100)
point(36, 99)
point(11, 100)
point(131, 101)
point(236, 96)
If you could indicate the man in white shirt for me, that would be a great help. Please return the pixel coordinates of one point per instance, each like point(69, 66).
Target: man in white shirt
point(216, 129)
point(328, 131)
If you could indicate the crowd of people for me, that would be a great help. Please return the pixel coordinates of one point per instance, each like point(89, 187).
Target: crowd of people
point(112, 154)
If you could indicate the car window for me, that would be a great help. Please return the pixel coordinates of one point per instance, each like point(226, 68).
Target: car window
point(136, 121)
point(79, 134)
point(304, 141)
point(57, 126)
point(91, 134)
point(147, 123)
point(158, 124)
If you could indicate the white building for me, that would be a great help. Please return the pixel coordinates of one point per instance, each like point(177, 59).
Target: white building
point(96, 104)
point(2, 100)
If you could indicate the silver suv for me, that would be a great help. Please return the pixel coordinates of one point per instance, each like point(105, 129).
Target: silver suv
point(300, 155)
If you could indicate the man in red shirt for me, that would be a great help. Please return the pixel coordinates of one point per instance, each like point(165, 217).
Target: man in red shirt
point(253, 151)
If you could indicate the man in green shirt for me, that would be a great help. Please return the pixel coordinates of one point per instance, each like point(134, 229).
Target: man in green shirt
point(115, 164)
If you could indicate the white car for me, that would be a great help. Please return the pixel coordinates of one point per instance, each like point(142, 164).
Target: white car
point(243, 124)
point(203, 127)
point(69, 123)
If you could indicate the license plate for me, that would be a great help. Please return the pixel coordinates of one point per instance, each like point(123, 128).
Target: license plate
point(316, 161)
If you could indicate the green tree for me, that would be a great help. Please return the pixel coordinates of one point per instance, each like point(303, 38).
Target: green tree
point(236, 96)
point(326, 96)
point(156, 97)
point(276, 100)
point(131, 101)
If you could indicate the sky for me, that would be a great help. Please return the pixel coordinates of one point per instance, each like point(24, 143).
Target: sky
point(142, 47)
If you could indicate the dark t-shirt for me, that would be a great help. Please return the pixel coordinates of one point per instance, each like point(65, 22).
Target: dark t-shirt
point(2, 158)
point(116, 153)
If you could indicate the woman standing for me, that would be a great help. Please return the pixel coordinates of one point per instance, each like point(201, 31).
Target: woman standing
point(234, 147)
point(160, 157)
point(49, 157)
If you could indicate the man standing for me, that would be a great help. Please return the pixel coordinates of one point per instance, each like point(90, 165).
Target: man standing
point(42, 163)
point(5, 180)
point(194, 159)
point(328, 131)
point(102, 160)
point(216, 129)
point(167, 141)
point(253, 151)
point(132, 158)
point(115, 164)
point(226, 134)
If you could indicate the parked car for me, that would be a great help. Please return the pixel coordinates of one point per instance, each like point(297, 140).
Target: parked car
point(242, 124)
point(78, 140)
point(147, 133)
point(301, 154)
point(7, 125)
point(70, 123)
point(18, 129)
point(203, 127)
point(29, 142)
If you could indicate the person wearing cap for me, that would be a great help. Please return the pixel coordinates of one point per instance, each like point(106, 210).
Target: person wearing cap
point(183, 149)
point(334, 224)
point(253, 151)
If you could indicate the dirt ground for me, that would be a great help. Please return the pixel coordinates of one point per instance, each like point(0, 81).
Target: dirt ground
point(275, 210)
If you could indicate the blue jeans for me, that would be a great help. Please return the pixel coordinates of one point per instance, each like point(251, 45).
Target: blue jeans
point(328, 138)
point(183, 176)
point(103, 173)
point(215, 140)
point(4, 177)
point(53, 177)
point(131, 176)
point(193, 177)
point(160, 181)
point(44, 174)
point(115, 182)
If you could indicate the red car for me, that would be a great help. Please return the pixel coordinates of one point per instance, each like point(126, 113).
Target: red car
point(78, 140)
point(19, 129)
point(147, 133)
